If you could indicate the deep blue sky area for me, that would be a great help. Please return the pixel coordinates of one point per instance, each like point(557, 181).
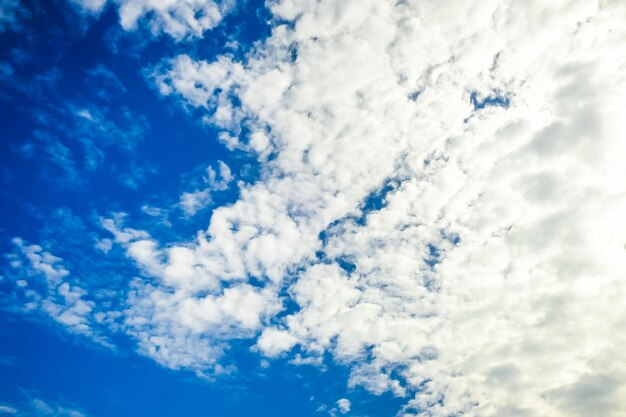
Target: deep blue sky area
point(61, 63)
point(104, 383)
point(60, 71)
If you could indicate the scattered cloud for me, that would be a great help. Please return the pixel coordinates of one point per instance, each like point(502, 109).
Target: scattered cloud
point(41, 282)
point(440, 203)
point(72, 137)
point(32, 405)
point(191, 202)
point(75, 141)
point(343, 405)
point(194, 201)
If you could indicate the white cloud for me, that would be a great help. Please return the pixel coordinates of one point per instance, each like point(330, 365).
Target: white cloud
point(191, 331)
point(104, 245)
point(273, 342)
point(185, 319)
point(41, 262)
point(219, 180)
point(91, 6)
point(178, 18)
point(194, 201)
point(343, 405)
point(44, 284)
point(191, 202)
point(203, 85)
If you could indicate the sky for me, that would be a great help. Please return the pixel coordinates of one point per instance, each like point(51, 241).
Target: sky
point(280, 208)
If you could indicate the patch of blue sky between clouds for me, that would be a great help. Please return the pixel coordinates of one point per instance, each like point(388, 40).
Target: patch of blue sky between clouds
point(496, 99)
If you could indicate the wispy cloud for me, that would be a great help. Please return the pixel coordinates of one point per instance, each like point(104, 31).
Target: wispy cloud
point(33, 405)
point(12, 13)
point(72, 137)
point(41, 281)
point(42, 408)
point(7, 409)
point(193, 201)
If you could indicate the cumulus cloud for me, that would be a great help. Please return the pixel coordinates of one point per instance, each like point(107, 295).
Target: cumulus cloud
point(179, 19)
point(343, 405)
point(185, 319)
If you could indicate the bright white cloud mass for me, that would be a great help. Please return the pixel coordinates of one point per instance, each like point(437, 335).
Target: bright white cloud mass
point(177, 18)
point(441, 197)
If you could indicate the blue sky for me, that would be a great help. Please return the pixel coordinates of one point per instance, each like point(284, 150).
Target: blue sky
point(313, 208)
point(60, 173)
point(40, 363)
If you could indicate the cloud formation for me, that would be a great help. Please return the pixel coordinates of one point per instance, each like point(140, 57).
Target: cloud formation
point(193, 201)
point(179, 19)
point(487, 278)
point(43, 284)
point(440, 201)
point(344, 405)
